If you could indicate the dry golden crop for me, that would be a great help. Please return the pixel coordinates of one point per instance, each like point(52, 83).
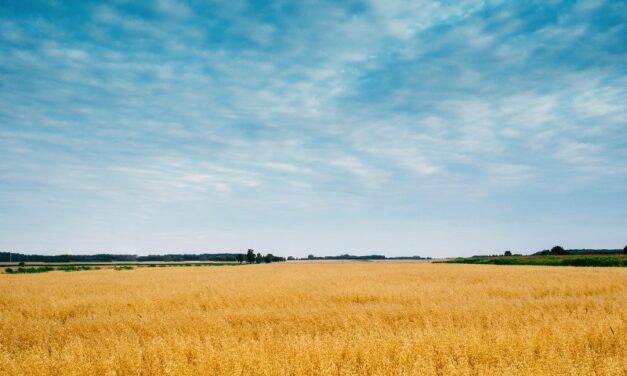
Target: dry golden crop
point(374, 318)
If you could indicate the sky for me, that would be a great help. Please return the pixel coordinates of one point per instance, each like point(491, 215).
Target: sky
point(294, 127)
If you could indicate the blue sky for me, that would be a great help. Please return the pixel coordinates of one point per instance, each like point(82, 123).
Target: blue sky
point(402, 128)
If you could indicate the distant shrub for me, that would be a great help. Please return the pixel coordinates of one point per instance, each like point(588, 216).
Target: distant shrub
point(37, 269)
point(123, 267)
point(9, 270)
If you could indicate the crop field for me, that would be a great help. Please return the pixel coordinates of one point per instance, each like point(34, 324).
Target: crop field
point(619, 260)
point(373, 318)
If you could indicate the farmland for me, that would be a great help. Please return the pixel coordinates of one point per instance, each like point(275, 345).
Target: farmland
point(374, 318)
point(562, 260)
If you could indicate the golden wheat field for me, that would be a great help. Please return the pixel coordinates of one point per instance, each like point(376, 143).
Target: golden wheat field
point(316, 319)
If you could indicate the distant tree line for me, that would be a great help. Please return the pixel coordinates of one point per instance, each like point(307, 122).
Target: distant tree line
point(559, 250)
point(105, 257)
point(251, 258)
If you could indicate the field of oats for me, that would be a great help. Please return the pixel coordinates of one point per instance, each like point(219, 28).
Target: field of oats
point(373, 318)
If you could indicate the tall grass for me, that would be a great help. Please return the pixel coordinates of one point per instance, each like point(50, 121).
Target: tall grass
point(317, 319)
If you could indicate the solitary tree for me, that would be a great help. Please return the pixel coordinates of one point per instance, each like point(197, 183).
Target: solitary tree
point(507, 253)
point(250, 256)
point(240, 258)
point(558, 250)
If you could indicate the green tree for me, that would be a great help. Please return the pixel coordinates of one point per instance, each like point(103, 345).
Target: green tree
point(625, 249)
point(507, 253)
point(259, 258)
point(558, 250)
point(240, 258)
point(250, 256)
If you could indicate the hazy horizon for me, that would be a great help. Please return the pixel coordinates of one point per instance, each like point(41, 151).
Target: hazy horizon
point(433, 129)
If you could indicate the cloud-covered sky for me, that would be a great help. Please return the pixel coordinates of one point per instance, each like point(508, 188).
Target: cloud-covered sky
point(295, 127)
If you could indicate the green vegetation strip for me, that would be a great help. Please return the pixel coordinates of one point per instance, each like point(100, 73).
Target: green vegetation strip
point(43, 269)
point(602, 261)
point(76, 268)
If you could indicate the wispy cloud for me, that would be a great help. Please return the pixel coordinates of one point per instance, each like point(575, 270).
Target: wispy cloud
point(312, 112)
